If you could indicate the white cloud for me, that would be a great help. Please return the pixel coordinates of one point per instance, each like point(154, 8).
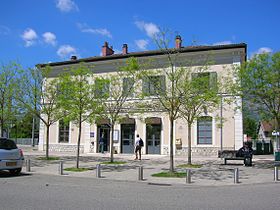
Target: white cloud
point(142, 44)
point(29, 36)
point(66, 5)
point(223, 43)
point(102, 31)
point(4, 30)
point(264, 50)
point(66, 51)
point(150, 29)
point(49, 38)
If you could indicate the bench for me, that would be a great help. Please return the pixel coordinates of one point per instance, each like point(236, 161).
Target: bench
point(231, 155)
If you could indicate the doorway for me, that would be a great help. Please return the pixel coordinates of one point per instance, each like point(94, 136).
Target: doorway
point(127, 138)
point(153, 138)
point(105, 131)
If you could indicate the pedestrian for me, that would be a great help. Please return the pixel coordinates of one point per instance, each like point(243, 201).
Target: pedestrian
point(101, 143)
point(139, 144)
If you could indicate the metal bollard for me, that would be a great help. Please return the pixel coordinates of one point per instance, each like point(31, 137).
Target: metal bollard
point(276, 174)
point(140, 173)
point(98, 171)
point(60, 168)
point(236, 175)
point(27, 164)
point(188, 176)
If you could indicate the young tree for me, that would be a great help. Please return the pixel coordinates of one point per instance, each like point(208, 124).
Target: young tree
point(162, 85)
point(260, 84)
point(199, 95)
point(40, 97)
point(8, 87)
point(77, 99)
point(113, 91)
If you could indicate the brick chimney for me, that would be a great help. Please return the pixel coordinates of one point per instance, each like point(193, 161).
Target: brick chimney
point(106, 50)
point(73, 57)
point(124, 49)
point(178, 42)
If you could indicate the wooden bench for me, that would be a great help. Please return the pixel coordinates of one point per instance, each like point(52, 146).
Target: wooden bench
point(231, 155)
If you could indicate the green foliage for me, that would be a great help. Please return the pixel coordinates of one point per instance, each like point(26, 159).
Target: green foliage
point(260, 84)
point(48, 158)
point(114, 163)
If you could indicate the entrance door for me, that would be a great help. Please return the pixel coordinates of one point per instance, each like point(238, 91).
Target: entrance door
point(105, 130)
point(153, 138)
point(127, 138)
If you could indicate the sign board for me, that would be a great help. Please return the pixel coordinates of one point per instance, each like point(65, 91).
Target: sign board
point(116, 136)
point(91, 134)
point(274, 133)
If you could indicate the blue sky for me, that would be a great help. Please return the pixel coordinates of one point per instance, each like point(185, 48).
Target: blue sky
point(41, 31)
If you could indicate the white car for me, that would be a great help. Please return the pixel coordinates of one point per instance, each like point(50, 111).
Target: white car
point(11, 158)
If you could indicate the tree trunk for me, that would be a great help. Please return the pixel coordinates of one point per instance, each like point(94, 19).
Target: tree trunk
point(79, 142)
point(171, 145)
point(47, 141)
point(189, 144)
point(111, 142)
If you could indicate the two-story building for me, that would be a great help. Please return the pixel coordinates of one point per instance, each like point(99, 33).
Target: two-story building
point(208, 136)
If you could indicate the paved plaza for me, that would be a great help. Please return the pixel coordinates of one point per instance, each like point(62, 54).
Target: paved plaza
point(212, 173)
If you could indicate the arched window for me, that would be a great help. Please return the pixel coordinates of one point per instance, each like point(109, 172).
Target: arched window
point(63, 132)
point(204, 130)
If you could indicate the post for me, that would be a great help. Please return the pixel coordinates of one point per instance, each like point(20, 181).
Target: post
point(236, 175)
point(188, 176)
point(27, 164)
point(60, 168)
point(276, 174)
point(140, 173)
point(221, 122)
point(98, 171)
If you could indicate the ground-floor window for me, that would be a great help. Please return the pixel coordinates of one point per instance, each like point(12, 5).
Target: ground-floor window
point(204, 130)
point(63, 132)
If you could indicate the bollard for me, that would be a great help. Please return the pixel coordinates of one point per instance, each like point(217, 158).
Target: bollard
point(98, 171)
point(140, 173)
point(276, 174)
point(188, 176)
point(236, 175)
point(27, 164)
point(60, 168)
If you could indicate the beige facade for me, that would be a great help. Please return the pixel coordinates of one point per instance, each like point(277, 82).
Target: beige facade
point(155, 131)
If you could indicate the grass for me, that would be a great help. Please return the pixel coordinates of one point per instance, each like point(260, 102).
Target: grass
point(189, 166)
point(73, 169)
point(169, 174)
point(48, 159)
point(113, 163)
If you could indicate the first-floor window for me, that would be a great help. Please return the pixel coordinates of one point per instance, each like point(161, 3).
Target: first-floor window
point(63, 132)
point(204, 130)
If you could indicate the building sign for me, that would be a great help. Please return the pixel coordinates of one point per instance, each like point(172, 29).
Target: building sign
point(91, 134)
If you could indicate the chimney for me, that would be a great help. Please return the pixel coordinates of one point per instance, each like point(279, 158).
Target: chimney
point(124, 49)
point(107, 50)
point(178, 42)
point(73, 57)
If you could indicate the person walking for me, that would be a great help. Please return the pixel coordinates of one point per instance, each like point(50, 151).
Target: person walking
point(139, 144)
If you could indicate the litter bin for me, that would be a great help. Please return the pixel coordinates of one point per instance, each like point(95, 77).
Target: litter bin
point(277, 156)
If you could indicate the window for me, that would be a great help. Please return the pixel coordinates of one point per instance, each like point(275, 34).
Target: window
point(205, 80)
point(63, 132)
point(204, 130)
point(128, 87)
point(101, 88)
point(154, 85)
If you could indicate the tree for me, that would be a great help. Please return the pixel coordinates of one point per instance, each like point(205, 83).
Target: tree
point(199, 95)
point(77, 99)
point(8, 87)
point(115, 99)
point(40, 96)
point(166, 97)
point(260, 84)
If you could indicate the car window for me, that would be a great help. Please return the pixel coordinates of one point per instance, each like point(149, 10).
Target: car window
point(7, 144)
